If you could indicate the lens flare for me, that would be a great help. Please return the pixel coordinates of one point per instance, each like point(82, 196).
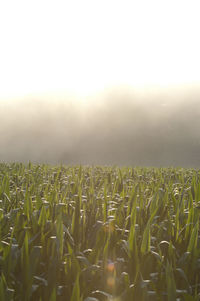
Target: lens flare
point(111, 267)
point(111, 282)
point(109, 228)
point(111, 276)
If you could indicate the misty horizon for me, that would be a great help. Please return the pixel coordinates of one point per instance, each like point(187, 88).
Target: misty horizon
point(116, 128)
point(100, 82)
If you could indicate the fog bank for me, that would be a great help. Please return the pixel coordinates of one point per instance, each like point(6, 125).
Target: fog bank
point(120, 127)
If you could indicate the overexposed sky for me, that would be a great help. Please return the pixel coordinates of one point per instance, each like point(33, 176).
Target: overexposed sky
point(82, 47)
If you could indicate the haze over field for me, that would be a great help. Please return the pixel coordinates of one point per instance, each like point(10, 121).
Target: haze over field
point(100, 82)
point(117, 128)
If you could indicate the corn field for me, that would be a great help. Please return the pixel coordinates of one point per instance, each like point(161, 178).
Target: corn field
point(94, 233)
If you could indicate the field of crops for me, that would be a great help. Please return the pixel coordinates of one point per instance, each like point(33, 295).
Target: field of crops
point(99, 233)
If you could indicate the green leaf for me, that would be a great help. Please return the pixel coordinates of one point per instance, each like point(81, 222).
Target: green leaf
point(53, 295)
point(171, 285)
point(76, 291)
point(145, 245)
point(193, 239)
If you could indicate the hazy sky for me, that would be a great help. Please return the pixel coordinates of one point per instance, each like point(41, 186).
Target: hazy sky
point(81, 47)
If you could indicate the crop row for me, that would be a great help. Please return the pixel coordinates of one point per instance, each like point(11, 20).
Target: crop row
point(98, 233)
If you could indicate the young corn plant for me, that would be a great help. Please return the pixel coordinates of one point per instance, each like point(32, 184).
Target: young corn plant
point(99, 233)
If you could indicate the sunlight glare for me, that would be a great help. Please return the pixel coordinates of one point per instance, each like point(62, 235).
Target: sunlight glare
point(83, 47)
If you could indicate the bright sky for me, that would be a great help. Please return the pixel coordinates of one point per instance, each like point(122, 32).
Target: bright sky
point(84, 46)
